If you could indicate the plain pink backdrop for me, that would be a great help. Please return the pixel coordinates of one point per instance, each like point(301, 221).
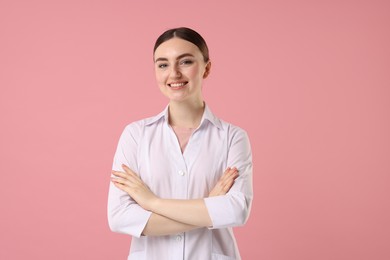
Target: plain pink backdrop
point(308, 80)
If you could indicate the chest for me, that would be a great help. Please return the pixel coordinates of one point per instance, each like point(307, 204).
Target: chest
point(172, 174)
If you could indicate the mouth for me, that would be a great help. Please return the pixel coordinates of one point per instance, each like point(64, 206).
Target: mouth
point(177, 85)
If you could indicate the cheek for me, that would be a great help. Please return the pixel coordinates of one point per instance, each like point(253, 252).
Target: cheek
point(194, 72)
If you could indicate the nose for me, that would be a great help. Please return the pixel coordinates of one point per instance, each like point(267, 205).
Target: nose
point(175, 73)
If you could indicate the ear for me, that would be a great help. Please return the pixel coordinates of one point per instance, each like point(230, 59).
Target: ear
point(207, 70)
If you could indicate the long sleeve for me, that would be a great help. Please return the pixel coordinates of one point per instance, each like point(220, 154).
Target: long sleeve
point(124, 214)
point(151, 149)
point(233, 208)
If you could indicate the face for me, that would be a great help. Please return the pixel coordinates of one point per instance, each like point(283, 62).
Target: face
point(180, 70)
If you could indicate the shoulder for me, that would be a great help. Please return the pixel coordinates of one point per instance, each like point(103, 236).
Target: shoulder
point(221, 124)
point(232, 130)
point(136, 128)
point(136, 125)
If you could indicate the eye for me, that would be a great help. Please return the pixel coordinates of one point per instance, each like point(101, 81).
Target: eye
point(186, 62)
point(162, 65)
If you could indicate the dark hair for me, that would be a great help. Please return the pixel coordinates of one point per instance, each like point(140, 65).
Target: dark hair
point(185, 34)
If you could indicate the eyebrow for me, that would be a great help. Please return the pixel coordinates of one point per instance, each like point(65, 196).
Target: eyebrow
point(178, 57)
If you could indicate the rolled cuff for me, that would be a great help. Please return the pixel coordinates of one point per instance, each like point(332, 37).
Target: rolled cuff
point(132, 222)
point(220, 211)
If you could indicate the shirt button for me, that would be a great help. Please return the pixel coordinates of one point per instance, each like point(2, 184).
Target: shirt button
point(181, 173)
point(178, 238)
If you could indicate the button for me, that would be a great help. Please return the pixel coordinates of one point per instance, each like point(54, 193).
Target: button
point(178, 238)
point(181, 173)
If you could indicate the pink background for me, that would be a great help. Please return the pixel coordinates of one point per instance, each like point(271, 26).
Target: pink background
point(308, 80)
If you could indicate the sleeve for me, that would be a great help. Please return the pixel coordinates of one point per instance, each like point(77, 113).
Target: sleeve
point(233, 208)
point(124, 214)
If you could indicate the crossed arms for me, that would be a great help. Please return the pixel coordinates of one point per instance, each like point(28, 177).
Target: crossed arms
point(170, 216)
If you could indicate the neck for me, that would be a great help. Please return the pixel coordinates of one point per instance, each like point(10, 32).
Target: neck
point(186, 114)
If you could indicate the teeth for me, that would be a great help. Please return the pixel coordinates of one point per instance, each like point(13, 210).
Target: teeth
point(176, 85)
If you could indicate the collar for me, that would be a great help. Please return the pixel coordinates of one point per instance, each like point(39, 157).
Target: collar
point(207, 116)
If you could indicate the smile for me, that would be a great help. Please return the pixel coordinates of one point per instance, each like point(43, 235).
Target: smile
point(177, 84)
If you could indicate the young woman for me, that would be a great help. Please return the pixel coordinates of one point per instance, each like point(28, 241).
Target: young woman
point(182, 179)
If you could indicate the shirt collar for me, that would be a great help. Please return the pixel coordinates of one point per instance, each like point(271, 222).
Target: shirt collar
point(207, 116)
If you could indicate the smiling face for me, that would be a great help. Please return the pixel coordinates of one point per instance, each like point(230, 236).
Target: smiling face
point(180, 69)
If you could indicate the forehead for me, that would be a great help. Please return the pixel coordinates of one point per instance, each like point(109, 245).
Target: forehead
point(175, 47)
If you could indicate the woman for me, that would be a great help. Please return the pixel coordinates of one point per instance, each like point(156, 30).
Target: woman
point(182, 179)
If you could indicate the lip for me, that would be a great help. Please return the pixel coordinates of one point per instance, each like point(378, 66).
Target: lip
point(177, 84)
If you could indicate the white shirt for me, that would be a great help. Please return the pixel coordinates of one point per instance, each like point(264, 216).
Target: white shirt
point(151, 149)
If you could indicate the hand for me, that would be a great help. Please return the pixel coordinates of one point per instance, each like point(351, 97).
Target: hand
point(225, 182)
point(130, 182)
